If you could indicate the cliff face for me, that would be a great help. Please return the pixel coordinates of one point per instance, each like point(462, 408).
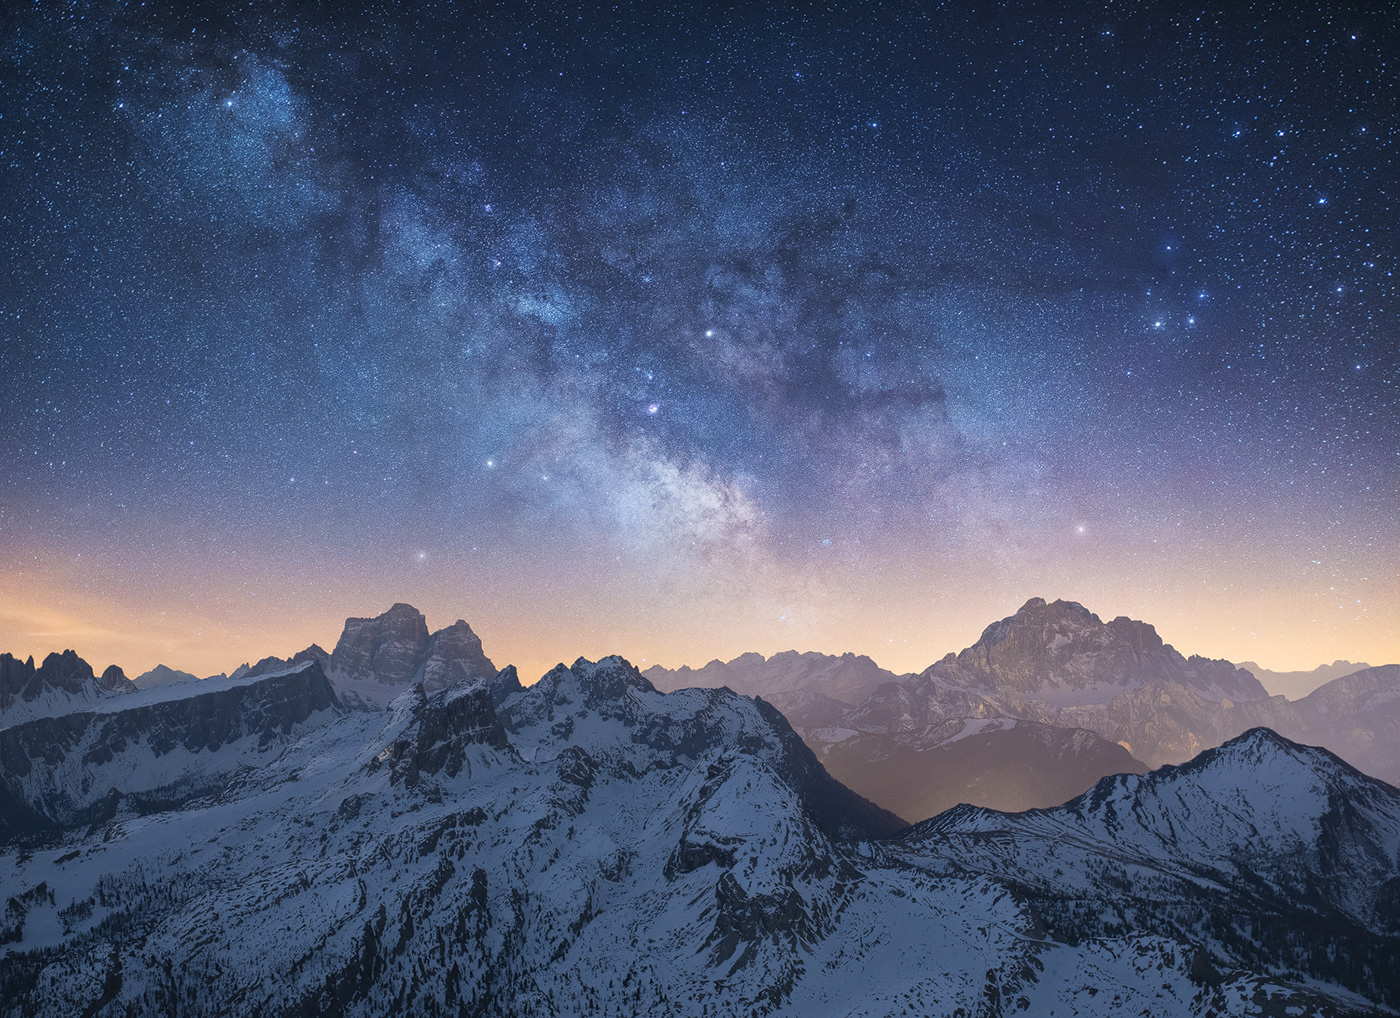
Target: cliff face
point(377, 658)
point(386, 649)
point(64, 682)
point(1061, 653)
point(151, 751)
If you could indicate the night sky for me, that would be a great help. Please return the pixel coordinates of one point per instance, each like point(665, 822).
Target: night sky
point(685, 334)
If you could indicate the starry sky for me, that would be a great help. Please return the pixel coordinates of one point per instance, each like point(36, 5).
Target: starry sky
point(682, 334)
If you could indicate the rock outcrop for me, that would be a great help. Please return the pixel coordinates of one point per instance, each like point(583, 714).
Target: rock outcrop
point(378, 657)
point(63, 683)
point(1061, 653)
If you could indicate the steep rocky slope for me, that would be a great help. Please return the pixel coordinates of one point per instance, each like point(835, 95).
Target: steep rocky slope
point(62, 683)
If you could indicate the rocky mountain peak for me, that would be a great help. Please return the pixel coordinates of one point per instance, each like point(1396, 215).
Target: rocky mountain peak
point(453, 654)
point(114, 679)
point(387, 648)
point(1265, 750)
point(1061, 652)
point(395, 649)
point(61, 682)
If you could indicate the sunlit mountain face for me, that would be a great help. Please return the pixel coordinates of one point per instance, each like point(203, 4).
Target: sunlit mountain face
point(690, 333)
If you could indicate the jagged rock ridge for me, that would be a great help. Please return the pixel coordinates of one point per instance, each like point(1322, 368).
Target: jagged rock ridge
point(64, 682)
point(814, 688)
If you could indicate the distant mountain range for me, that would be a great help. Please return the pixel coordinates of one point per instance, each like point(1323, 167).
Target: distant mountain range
point(1056, 699)
point(1296, 685)
point(813, 686)
point(273, 843)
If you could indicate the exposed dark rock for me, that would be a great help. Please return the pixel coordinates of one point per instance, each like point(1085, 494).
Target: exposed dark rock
point(36, 756)
point(388, 649)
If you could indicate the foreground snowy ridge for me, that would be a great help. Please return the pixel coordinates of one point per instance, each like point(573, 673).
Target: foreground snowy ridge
point(588, 845)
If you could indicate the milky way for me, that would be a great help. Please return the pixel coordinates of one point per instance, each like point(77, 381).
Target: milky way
point(683, 335)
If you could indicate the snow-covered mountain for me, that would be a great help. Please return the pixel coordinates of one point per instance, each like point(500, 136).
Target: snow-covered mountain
point(1258, 848)
point(162, 675)
point(590, 845)
point(63, 683)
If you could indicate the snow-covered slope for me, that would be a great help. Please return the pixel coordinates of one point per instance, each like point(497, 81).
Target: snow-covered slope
point(1260, 845)
point(63, 683)
point(589, 845)
point(155, 748)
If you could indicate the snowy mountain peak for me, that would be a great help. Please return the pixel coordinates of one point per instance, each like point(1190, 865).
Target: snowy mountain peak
point(1297, 823)
point(1263, 758)
point(162, 675)
point(608, 710)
